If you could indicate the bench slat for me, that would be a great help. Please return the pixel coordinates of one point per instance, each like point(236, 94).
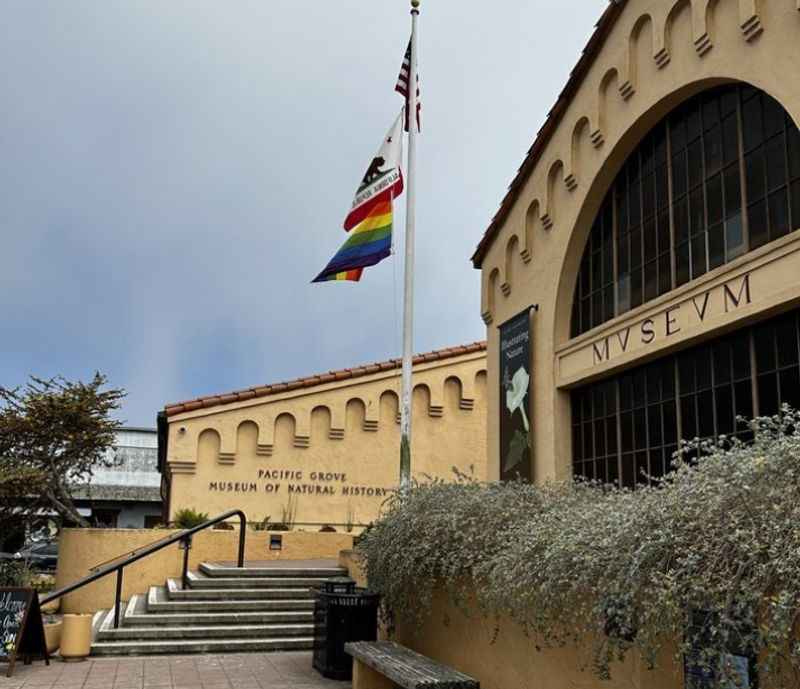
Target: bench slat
point(407, 668)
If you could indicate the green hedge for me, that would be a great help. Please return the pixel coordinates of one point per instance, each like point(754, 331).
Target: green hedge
point(718, 540)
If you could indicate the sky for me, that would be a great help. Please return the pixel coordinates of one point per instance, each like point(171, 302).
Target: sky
point(175, 173)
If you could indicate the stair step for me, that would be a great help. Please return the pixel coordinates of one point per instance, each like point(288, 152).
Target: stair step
point(239, 631)
point(137, 615)
point(159, 602)
point(298, 643)
point(216, 570)
point(201, 581)
point(175, 592)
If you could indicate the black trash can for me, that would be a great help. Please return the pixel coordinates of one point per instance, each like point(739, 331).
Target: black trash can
point(342, 613)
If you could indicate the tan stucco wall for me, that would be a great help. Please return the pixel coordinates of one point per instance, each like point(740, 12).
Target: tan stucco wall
point(82, 549)
point(353, 563)
point(347, 431)
point(658, 54)
point(501, 656)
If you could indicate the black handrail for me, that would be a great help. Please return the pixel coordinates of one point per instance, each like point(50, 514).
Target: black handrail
point(185, 537)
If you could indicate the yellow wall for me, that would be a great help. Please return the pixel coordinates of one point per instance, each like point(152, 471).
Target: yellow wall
point(658, 53)
point(348, 431)
point(501, 655)
point(508, 659)
point(82, 549)
point(352, 562)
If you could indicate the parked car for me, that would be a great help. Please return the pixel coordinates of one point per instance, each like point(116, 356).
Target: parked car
point(40, 556)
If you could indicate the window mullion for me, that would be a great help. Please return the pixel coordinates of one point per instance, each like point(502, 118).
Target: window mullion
point(742, 171)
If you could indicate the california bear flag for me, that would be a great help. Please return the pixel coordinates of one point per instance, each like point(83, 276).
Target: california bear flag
point(370, 217)
point(383, 180)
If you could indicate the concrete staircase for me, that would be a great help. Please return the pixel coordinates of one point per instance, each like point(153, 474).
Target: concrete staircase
point(261, 607)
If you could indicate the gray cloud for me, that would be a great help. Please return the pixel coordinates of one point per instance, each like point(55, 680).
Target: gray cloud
point(174, 174)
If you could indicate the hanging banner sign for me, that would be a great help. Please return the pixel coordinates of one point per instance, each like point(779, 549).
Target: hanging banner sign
point(515, 386)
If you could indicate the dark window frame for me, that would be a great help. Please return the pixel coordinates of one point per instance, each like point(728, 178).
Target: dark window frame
point(695, 393)
point(766, 209)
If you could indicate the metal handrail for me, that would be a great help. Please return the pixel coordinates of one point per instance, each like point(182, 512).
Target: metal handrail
point(185, 537)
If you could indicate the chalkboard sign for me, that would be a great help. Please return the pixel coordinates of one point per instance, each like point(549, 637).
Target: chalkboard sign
point(21, 627)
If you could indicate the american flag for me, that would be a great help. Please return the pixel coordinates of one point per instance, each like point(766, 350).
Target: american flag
point(402, 85)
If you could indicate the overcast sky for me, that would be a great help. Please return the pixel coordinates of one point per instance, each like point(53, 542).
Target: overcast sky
point(174, 174)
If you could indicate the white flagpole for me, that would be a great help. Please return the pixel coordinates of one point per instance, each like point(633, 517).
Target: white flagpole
point(408, 290)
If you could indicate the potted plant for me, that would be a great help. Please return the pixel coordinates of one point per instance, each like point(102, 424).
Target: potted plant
point(52, 632)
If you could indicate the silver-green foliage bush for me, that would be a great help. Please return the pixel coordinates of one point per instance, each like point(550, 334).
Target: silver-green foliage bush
point(582, 563)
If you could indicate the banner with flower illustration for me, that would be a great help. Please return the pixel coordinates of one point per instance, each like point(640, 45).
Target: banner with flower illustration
point(515, 386)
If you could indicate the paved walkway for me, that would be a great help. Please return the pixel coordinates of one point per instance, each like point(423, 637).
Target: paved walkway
point(233, 671)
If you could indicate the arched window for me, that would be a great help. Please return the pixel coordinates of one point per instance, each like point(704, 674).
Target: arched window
point(719, 176)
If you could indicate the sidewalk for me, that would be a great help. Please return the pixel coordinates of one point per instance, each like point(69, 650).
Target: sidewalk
point(234, 671)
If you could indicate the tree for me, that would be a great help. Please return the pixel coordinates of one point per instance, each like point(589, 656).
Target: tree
point(53, 435)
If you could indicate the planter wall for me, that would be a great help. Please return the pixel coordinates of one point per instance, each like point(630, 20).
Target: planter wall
point(82, 549)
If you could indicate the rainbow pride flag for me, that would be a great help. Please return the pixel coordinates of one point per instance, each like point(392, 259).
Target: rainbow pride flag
point(369, 221)
point(369, 243)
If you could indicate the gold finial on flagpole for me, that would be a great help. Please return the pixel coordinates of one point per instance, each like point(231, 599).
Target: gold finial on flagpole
point(415, 4)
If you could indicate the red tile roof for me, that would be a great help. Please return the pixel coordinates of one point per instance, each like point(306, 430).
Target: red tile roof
point(593, 47)
point(319, 379)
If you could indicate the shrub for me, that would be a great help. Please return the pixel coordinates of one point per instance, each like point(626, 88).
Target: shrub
point(187, 518)
point(327, 528)
point(263, 525)
point(579, 562)
point(16, 573)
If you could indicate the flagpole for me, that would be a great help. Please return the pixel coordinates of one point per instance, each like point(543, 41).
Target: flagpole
point(408, 288)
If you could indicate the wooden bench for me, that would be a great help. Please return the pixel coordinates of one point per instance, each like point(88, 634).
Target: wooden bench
point(384, 664)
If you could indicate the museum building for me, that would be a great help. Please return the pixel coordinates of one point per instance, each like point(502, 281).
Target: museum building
point(648, 243)
point(324, 450)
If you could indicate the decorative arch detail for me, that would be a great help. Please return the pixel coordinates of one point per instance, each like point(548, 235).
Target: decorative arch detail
point(637, 36)
point(246, 439)
point(490, 291)
point(355, 413)
point(208, 446)
point(512, 248)
point(320, 421)
point(531, 217)
point(653, 35)
point(390, 406)
point(556, 170)
point(579, 132)
point(285, 429)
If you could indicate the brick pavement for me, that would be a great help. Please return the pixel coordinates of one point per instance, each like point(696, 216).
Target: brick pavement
point(229, 671)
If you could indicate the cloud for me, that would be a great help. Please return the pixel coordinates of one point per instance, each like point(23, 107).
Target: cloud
point(174, 175)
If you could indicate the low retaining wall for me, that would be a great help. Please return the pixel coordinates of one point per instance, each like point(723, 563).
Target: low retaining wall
point(82, 549)
point(502, 656)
